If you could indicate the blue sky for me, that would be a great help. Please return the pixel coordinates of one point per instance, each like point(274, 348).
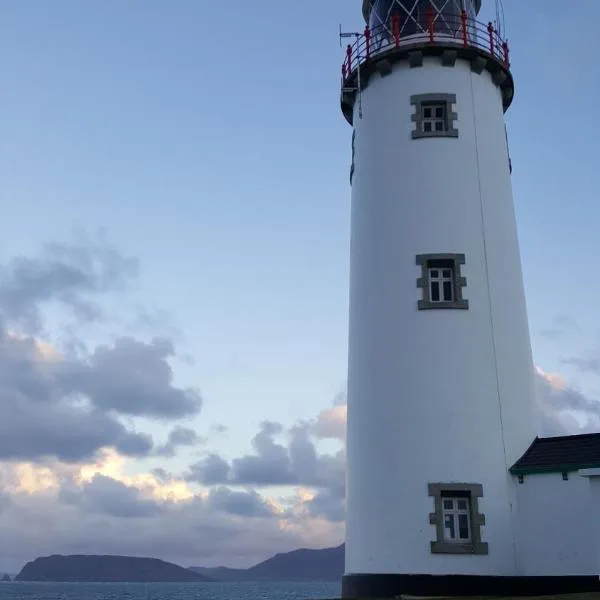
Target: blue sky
point(205, 139)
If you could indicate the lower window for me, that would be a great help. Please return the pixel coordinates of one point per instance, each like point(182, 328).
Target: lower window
point(456, 518)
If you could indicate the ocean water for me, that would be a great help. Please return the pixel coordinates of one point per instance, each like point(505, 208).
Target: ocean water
point(169, 591)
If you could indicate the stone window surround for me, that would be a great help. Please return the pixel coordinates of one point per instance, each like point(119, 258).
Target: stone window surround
point(457, 260)
point(449, 100)
point(474, 491)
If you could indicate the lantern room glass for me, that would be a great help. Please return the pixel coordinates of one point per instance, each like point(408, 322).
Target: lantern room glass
point(412, 16)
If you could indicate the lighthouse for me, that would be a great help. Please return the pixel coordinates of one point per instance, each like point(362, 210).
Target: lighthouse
point(440, 372)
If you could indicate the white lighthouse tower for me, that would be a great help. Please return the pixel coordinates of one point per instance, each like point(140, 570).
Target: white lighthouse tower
point(441, 380)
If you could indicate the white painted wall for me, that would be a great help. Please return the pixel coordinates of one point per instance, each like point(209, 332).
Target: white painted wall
point(557, 525)
point(442, 395)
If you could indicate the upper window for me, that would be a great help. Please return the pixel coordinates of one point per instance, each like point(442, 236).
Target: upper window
point(441, 281)
point(457, 519)
point(434, 116)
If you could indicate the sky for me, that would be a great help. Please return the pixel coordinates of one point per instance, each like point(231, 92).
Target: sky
point(174, 266)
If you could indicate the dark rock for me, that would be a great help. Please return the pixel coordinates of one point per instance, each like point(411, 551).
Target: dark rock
point(103, 569)
point(298, 565)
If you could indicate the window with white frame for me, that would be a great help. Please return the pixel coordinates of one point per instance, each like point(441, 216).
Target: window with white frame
point(457, 518)
point(441, 281)
point(434, 117)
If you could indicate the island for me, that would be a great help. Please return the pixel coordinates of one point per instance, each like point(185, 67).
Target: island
point(298, 565)
point(5, 578)
point(96, 568)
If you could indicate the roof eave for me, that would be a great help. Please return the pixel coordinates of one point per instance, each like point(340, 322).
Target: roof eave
point(552, 469)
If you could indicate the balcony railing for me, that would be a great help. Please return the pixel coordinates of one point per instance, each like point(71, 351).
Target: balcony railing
point(433, 29)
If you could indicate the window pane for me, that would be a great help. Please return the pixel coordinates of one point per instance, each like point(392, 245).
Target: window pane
point(463, 527)
point(434, 273)
point(448, 291)
point(435, 291)
point(427, 126)
point(439, 126)
point(446, 273)
point(449, 529)
point(462, 504)
point(439, 112)
point(448, 504)
point(427, 112)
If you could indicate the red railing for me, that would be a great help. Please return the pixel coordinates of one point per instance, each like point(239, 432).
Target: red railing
point(459, 29)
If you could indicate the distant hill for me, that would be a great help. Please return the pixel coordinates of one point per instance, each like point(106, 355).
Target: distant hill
point(298, 565)
point(5, 577)
point(103, 569)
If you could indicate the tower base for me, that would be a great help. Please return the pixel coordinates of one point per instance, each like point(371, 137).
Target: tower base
point(392, 586)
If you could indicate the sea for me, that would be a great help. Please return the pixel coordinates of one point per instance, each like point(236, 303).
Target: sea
point(169, 591)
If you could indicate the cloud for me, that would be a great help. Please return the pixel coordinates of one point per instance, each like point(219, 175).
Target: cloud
point(331, 423)
point(179, 437)
point(243, 504)
point(562, 325)
point(68, 274)
point(584, 365)
point(104, 495)
point(131, 378)
point(209, 471)
point(84, 511)
point(274, 464)
point(68, 405)
point(563, 409)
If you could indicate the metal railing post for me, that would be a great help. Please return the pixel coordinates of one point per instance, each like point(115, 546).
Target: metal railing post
point(463, 19)
point(506, 52)
point(349, 58)
point(491, 32)
point(430, 23)
point(368, 41)
point(396, 28)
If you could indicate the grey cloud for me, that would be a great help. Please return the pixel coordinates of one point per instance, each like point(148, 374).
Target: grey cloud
point(271, 463)
point(131, 378)
point(584, 365)
point(39, 419)
point(110, 497)
point(241, 504)
point(209, 471)
point(65, 273)
point(275, 464)
point(191, 532)
point(558, 405)
point(562, 325)
point(178, 437)
point(69, 406)
point(327, 505)
point(162, 474)
point(30, 430)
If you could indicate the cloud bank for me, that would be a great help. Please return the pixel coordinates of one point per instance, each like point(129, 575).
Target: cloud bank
point(68, 437)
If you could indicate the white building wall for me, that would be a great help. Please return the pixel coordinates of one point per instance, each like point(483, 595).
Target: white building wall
point(594, 523)
point(557, 525)
point(438, 395)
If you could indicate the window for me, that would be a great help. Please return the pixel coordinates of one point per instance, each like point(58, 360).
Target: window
point(456, 518)
point(434, 116)
point(441, 281)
